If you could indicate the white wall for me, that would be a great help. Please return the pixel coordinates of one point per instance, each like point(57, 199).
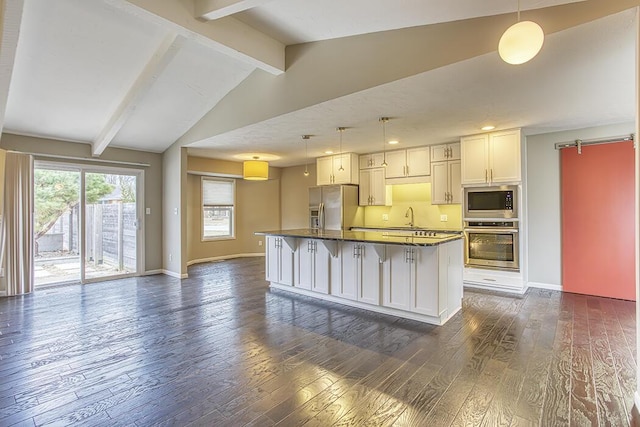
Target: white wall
point(544, 204)
point(174, 202)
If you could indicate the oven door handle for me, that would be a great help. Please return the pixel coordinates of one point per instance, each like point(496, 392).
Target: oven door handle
point(491, 230)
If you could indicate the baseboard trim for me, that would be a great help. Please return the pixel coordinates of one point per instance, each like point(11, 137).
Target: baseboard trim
point(223, 257)
point(174, 274)
point(3, 293)
point(153, 272)
point(548, 286)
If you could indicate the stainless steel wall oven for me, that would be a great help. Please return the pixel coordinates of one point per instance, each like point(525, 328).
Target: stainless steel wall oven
point(492, 244)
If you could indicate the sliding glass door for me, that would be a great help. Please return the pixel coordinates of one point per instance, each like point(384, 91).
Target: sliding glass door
point(56, 225)
point(87, 223)
point(110, 224)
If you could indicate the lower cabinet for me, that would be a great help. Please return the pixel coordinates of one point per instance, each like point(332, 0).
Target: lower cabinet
point(279, 261)
point(423, 279)
point(412, 280)
point(360, 279)
point(312, 266)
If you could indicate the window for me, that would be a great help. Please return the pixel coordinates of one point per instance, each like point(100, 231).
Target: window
point(218, 198)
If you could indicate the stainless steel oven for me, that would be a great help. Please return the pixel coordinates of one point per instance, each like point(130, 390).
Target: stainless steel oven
point(492, 244)
point(491, 202)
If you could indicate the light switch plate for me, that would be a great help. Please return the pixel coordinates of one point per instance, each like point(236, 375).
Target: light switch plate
point(444, 218)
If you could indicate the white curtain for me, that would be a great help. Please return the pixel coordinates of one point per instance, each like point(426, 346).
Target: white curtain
point(17, 230)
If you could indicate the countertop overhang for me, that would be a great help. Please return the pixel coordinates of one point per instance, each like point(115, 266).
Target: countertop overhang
point(378, 237)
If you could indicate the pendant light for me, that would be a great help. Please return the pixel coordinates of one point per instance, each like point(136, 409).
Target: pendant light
point(521, 42)
point(306, 154)
point(255, 170)
point(384, 120)
point(341, 129)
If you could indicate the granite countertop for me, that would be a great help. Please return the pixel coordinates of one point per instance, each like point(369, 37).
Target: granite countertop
point(402, 237)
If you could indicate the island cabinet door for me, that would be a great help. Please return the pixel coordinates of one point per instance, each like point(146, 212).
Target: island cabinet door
point(397, 277)
point(279, 261)
point(351, 265)
point(305, 264)
point(424, 295)
point(321, 267)
point(272, 265)
point(369, 280)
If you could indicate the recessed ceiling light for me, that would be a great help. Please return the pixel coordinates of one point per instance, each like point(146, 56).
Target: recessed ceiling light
point(393, 142)
point(328, 152)
point(490, 127)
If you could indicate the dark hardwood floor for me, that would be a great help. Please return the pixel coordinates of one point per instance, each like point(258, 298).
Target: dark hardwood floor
point(221, 349)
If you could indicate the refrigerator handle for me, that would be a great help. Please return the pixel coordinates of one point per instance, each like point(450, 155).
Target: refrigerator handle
point(321, 216)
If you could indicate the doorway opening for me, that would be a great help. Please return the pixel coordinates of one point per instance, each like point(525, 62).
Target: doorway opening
point(87, 223)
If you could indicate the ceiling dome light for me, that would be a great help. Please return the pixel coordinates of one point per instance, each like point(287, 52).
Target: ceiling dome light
point(521, 42)
point(488, 127)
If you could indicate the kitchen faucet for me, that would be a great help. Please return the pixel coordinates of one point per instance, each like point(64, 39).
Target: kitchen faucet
point(406, 215)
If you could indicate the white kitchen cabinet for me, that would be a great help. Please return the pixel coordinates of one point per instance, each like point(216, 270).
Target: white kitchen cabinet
point(279, 261)
point(413, 281)
point(445, 183)
point(445, 152)
point(374, 160)
point(408, 163)
point(312, 266)
point(328, 169)
point(360, 273)
point(373, 190)
point(492, 158)
point(422, 279)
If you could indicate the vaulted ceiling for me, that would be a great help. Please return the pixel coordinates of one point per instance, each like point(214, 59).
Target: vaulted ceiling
point(228, 78)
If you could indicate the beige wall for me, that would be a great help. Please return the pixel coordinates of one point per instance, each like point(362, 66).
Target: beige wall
point(257, 209)
point(152, 179)
point(294, 188)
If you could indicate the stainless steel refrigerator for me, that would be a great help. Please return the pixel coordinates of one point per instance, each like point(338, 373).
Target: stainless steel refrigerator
point(334, 207)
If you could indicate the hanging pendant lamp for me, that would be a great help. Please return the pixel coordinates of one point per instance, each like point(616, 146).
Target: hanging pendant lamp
point(255, 170)
point(306, 154)
point(341, 129)
point(384, 120)
point(521, 42)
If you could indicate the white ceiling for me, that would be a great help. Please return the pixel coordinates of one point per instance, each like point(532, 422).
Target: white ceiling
point(301, 21)
point(83, 65)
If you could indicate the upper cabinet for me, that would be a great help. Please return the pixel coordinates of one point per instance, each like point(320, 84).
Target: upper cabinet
point(408, 163)
point(445, 174)
point(368, 161)
point(445, 152)
point(373, 190)
point(491, 158)
point(337, 169)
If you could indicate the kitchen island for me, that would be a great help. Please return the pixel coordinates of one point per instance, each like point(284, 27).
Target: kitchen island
point(402, 273)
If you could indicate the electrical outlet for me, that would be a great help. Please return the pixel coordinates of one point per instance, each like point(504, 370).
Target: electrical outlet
point(259, 242)
point(385, 217)
point(170, 258)
point(444, 218)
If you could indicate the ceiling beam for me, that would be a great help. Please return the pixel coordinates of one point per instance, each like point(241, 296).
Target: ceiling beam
point(11, 19)
point(156, 65)
point(216, 9)
point(226, 35)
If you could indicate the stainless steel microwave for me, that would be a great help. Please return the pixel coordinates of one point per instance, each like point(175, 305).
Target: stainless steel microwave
point(491, 202)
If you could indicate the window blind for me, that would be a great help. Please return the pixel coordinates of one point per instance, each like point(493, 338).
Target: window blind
point(217, 192)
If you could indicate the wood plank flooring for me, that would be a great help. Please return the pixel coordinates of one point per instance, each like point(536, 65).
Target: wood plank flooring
point(221, 349)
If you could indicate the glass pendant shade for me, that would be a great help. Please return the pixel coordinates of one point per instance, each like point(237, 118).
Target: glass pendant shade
point(521, 42)
point(255, 170)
